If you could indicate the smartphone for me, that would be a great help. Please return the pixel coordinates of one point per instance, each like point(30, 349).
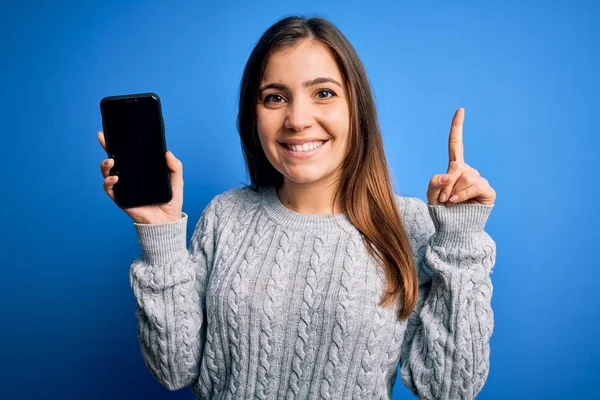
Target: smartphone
point(135, 138)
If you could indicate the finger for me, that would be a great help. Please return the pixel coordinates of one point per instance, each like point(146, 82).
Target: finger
point(455, 142)
point(102, 140)
point(105, 166)
point(453, 177)
point(466, 179)
point(439, 180)
point(436, 184)
point(471, 192)
point(455, 171)
point(485, 194)
point(109, 182)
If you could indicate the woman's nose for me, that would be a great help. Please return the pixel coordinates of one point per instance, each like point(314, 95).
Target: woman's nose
point(299, 115)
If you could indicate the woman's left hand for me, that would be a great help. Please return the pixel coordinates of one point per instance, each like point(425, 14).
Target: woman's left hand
point(461, 183)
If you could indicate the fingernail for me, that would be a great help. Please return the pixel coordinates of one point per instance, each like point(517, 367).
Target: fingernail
point(454, 198)
point(444, 178)
point(105, 162)
point(443, 197)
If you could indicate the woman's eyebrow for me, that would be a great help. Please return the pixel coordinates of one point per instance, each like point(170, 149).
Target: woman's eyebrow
point(306, 84)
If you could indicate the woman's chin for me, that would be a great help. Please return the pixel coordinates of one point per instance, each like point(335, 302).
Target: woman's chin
point(303, 179)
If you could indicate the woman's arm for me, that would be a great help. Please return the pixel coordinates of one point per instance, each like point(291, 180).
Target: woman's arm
point(169, 283)
point(445, 353)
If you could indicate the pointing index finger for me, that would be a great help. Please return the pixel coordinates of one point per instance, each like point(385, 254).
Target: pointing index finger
point(455, 143)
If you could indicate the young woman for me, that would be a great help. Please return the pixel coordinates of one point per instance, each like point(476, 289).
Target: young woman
point(317, 281)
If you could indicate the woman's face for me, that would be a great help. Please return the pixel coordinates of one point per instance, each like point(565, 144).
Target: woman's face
point(303, 114)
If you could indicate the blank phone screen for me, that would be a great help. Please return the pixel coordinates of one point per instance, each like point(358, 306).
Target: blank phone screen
point(133, 129)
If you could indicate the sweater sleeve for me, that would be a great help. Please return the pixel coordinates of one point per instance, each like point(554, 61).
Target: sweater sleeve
point(169, 283)
point(445, 353)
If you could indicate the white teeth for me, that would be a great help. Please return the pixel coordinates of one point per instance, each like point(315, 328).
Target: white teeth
point(305, 146)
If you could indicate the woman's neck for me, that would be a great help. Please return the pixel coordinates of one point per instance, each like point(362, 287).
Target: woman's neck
point(310, 198)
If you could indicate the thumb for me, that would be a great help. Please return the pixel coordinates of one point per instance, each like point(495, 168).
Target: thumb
point(175, 166)
point(436, 184)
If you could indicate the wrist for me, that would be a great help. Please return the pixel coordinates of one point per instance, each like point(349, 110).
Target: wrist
point(158, 220)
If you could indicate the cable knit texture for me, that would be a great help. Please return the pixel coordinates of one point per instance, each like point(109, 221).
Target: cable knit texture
point(267, 303)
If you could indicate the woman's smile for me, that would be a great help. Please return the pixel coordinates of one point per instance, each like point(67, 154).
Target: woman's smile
point(303, 150)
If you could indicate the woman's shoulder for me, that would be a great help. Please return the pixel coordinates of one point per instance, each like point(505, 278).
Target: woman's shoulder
point(416, 220)
point(411, 207)
point(233, 201)
point(243, 195)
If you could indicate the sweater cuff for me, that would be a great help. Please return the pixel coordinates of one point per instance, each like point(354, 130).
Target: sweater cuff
point(460, 225)
point(163, 243)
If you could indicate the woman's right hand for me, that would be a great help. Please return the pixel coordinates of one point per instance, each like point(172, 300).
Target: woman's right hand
point(154, 214)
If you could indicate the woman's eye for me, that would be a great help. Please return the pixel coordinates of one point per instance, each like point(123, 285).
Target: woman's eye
point(273, 98)
point(325, 94)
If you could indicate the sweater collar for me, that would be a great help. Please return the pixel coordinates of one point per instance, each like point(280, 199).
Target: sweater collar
point(288, 218)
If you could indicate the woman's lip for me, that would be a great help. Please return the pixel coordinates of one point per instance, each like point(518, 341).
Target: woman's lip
point(302, 154)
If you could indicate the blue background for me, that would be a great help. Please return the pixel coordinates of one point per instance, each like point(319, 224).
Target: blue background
point(525, 71)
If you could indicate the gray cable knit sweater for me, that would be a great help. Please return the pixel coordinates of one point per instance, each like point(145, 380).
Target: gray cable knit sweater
point(268, 303)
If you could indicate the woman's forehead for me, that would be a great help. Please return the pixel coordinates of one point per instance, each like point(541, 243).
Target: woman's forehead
point(304, 61)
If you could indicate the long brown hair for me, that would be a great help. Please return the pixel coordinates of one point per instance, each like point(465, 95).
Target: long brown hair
point(365, 189)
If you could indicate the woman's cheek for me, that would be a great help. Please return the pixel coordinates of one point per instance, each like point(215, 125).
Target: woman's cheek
point(337, 119)
point(338, 130)
point(266, 144)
